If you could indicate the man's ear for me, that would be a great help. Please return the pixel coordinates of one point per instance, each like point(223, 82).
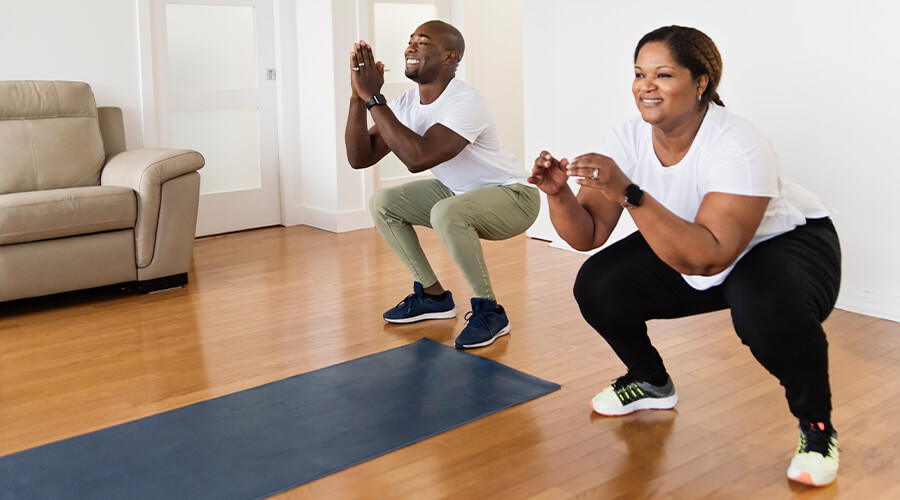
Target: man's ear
point(451, 56)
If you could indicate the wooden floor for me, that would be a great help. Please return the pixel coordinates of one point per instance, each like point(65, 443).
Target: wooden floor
point(267, 304)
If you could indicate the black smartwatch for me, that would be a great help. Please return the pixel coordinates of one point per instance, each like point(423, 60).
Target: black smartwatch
point(634, 195)
point(375, 101)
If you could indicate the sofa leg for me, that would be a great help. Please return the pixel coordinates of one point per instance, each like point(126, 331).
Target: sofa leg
point(159, 284)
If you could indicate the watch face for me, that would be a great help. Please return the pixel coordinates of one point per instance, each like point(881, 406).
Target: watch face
point(634, 195)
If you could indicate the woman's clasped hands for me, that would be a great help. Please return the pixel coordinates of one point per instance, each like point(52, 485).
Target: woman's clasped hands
point(591, 170)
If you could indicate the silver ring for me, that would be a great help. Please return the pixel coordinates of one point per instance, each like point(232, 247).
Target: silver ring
point(362, 64)
point(596, 171)
point(355, 69)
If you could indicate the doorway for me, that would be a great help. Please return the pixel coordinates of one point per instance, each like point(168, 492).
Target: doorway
point(214, 87)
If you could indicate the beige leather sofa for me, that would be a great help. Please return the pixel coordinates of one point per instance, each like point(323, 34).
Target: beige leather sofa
point(79, 211)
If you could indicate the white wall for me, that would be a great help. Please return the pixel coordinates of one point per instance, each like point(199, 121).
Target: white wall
point(86, 40)
point(493, 60)
point(817, 78)
point(326, 181)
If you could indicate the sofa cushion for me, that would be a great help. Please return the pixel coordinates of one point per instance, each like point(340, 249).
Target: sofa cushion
point(49, 136)
point(57, 213)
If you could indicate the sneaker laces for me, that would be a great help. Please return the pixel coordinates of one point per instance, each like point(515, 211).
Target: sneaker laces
point(624, 381)
point(479, 317)
point(627, 389)
point(409, 301)
point(814, 437)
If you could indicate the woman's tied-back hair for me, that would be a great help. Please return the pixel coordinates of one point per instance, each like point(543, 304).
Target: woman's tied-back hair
point(695, 51)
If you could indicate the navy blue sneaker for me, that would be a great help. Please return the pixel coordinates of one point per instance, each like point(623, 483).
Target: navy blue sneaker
point(417, 307)
point(485, 323)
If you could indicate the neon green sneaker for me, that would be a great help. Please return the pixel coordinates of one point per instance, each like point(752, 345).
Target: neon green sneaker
point(628, 395)
point(816, 461)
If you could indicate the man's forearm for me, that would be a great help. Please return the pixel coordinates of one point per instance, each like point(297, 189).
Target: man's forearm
point(410, 147)
point(358, 141)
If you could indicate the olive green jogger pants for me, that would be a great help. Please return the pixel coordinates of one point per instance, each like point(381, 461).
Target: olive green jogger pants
point(461, 221)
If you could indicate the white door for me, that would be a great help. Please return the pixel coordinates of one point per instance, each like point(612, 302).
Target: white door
point(214, 77)
point(390, 24)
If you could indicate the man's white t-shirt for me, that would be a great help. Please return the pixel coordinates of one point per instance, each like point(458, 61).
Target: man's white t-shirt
point(728, 155)
point(484, 161)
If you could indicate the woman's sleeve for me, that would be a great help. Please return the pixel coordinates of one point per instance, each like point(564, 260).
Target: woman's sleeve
point(622, 145)
point(741, 161)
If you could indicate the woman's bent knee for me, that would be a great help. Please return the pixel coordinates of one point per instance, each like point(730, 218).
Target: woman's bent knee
point(595, 289)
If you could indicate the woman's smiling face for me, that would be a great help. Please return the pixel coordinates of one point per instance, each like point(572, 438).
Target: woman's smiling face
point(664, 91)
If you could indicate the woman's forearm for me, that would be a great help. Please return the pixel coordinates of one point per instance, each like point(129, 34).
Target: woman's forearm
point(722, 230)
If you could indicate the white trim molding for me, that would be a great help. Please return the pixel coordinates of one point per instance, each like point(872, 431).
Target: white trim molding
point(877, 304)
point(336, 222)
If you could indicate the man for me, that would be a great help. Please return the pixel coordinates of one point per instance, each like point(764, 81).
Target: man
point(479, 190)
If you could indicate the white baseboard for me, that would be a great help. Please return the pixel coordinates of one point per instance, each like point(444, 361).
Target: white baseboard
point(877, 304)
point(336, 222)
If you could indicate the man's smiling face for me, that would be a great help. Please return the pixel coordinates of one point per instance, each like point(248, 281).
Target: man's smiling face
point(424, 54)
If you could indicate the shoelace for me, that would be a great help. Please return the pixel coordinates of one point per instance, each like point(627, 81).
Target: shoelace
point(408, 301)
point(472, 316)
point(627, 390)
point(813, 438)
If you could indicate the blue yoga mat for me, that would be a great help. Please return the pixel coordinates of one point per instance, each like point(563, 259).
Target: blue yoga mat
point(271, 438)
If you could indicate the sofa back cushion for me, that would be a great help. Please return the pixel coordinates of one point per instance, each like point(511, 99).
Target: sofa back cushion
point(49, 136)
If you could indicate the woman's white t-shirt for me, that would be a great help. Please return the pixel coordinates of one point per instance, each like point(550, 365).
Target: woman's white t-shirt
point(728, 155)
point(485, 161)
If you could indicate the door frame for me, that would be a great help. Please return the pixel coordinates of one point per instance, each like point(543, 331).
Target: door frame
point(287, 96)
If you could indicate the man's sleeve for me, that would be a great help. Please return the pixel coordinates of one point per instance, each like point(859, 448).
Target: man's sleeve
point(468, 116)
point(398, 105)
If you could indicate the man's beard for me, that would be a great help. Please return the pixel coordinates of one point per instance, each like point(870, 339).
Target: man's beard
point(412, 74)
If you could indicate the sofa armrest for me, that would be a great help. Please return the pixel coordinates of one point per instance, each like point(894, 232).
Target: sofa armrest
point(112, 129)
point(145, 171)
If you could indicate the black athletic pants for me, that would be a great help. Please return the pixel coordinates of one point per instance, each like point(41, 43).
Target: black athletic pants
point(779, 293)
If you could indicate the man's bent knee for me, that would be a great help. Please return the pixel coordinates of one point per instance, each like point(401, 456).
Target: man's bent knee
point(381, 200)
point(445, 213)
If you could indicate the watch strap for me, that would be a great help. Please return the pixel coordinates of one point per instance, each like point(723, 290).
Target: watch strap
point(375, 101)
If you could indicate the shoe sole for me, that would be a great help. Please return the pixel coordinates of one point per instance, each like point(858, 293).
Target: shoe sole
point(642, 404)
point(486, 343)
point(806, 478)
point(422, 317)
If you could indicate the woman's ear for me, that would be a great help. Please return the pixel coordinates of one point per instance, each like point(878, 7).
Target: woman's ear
point(702, 83)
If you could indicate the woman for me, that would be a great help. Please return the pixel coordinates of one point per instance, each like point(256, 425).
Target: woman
point(717, 228)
